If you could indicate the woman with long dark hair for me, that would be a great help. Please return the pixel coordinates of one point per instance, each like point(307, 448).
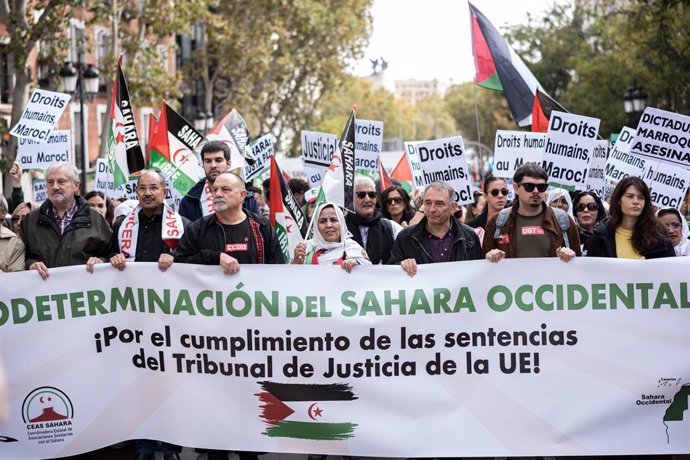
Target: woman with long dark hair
point(102, 204)
point(396, 205)
point(632, 230)
point(588, 211)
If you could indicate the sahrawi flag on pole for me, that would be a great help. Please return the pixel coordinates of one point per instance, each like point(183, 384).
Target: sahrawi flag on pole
point(308, 411)
point(498, 67)
point(172, 150)
point(285, 216)
point(338, 184)
point(232, 130)
point(124, 152)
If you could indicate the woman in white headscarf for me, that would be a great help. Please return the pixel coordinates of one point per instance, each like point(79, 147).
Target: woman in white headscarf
point(559, 198)
point(329, 243)
point(677, 229)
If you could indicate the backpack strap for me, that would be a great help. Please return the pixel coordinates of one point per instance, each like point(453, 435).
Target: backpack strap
point(564, 223)
point(501, 221)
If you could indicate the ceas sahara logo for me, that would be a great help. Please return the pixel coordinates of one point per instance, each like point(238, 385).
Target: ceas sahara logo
point(47, 407)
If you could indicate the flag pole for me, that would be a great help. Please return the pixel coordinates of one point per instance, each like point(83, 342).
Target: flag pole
point(479, 136)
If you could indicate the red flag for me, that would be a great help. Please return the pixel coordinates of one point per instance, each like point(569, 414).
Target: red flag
point(383, 176)
point(153, 127)
point(540, 124)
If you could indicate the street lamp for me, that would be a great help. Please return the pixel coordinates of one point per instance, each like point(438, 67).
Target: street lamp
point(634, 103)
point(83, 83)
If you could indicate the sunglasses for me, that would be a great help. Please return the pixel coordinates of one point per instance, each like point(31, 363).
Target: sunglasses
point(361, 195)
point(529, 187)
point(589, 206)
point(395, 199)
point(503, 191)
point(673, 226)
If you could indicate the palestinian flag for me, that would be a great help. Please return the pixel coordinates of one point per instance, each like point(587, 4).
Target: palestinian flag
point(232, 130)
point(172, 150)
point(384, 180)
point(285, 213)
point(338, 184)
point(541, 111)
point(153, 126)
point(124, 152)
point(306, 411)
point(403, 174)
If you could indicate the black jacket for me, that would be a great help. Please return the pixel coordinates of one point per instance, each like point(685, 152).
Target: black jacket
point(150, 245)
point(603, 244)
point(204, 241)
point(190, 206)
point(409, 244)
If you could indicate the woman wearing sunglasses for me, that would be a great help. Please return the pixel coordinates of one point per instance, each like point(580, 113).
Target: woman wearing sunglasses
point(396, 205)
point(588, 210)
point(631, 231)
point(496, 193)
point(677, 229)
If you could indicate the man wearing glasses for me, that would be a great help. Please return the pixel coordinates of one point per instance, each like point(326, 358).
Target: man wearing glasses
point(373, 232)
point(530, 228)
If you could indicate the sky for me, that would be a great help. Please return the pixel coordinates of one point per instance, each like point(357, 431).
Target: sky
point(426, 39)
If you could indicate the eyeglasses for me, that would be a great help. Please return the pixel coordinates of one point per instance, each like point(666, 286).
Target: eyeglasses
point(503, 191)
point(589, 206)
point(144, 188)
point(529, 187)
point(673, 226)
point(361, 195)
point(395, 199)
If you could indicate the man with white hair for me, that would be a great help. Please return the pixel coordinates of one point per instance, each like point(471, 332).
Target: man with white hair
point(65, 230)
point(369, 228)
point(11, 246)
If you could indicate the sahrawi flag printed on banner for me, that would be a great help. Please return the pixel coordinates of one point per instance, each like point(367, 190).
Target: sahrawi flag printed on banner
point(499, 68)
point(338, 184)
point(286, 215)
point(232, 130)
point(124, 152)
point(305, 411)
point(172, 150)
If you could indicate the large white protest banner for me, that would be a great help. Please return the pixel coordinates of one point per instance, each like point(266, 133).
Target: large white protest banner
point(445, 160)
point(514, 148)
point(668, 183)
point(317, 154)
point(570, 142)
point(663, 136)
point(596, 180)
point(415, 163)
point(262, 150)
point(35, 155)
point(371, 363)
point(40, 115)
point(622, 163)
point(368, 142)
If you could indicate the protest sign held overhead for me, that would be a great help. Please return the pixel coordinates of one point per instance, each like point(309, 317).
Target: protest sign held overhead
point(621, 162)
point(263, 150)
point(368, 141)
point(317, 154)
point(124, 152)
point(415, 163)
point(445, 160)
point(40, 115)
point(570, 143)
point(514, 148)
point(663, 136)
point(668, 183)
point(595, 175)
point(35, 155)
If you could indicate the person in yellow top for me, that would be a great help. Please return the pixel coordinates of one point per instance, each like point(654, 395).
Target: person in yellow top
point(632, 230)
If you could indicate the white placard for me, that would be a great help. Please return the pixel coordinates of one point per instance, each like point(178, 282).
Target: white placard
point(41, 115)
point(595, 175)
point(368, 142)
point(445, 160)
point(40, 190)
point(262, 150)
point(415, 163)
point(622, 163)
point(663, 136)
point(514, 148)
point(317, 153)
point(569, 144)
point(34, 155)
point(668, 183)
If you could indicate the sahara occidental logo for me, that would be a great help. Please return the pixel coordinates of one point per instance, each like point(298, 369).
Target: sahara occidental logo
point(48, 413)
point(307, 411)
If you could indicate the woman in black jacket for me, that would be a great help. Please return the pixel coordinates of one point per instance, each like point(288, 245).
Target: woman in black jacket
point(631, 231)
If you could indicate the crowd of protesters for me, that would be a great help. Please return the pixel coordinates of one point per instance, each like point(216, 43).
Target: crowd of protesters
point(220, 224)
